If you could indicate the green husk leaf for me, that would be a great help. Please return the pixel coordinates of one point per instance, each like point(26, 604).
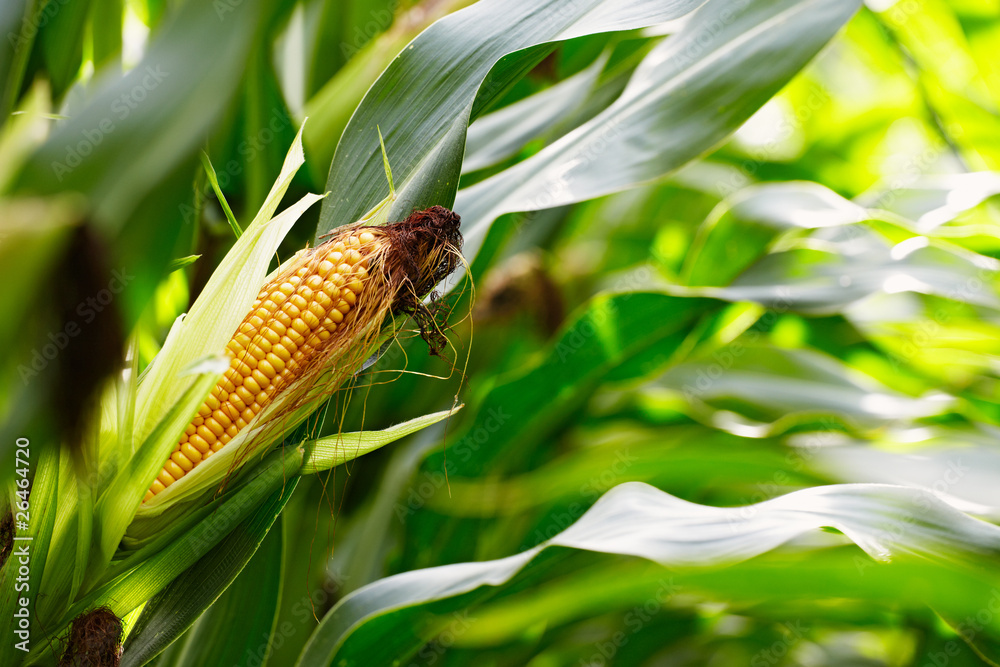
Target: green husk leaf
point(224, 301)
point(181, 262)
point(325, 453)
point(211, 471)
point(118, 504)
point(71, 537)
point(168, 615)
point(139, 585)
point(169, 559)
point(214, 181)
point(385, 163)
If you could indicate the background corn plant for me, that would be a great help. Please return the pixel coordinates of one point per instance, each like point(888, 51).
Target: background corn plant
point(770, 354)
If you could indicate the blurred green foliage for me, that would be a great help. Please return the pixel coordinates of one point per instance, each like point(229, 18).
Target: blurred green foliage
point(811, 300)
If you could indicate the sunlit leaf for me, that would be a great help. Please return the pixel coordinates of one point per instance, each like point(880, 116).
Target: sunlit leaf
point(638, 520)
point(714, 62)
point(427, 141)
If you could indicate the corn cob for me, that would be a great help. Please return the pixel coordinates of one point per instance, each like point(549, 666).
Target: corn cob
point(318, 301)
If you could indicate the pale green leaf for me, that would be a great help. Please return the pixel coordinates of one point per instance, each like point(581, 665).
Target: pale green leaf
point(326, 453)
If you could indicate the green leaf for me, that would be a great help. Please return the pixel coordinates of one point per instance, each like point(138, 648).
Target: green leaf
point(61, 41)
point(167, 559)
point(139, 127)
point(181, 262)
point(960, 464)
point(71, 534)
point(20, 136)
point(770, 384)
point(439, 76)
point(332, 106)
point(214, 181)
point(932, 201)
point(741, 229)
point(502, 134)
point(234, 580)
point(117, 506)
point(845, 265)
point(687, 459)
point(611, 330)
point(635, 519)
point(265, 127)
point(130, 144)
point(106, 20)
point(16, 20)
point(326, 453)
point(689, 94)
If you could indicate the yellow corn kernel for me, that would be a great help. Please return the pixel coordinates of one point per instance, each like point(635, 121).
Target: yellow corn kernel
point(290, 320)
point(191, 453)
point(265, 368)
point(251, 386)
point(175, 470)
point(205, 434)
point(181, 460)
point(213, 425)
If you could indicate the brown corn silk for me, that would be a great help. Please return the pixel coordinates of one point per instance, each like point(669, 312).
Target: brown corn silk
point(325, 301)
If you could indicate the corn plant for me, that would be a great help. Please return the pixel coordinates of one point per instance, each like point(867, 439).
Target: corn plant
point(686, 310)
